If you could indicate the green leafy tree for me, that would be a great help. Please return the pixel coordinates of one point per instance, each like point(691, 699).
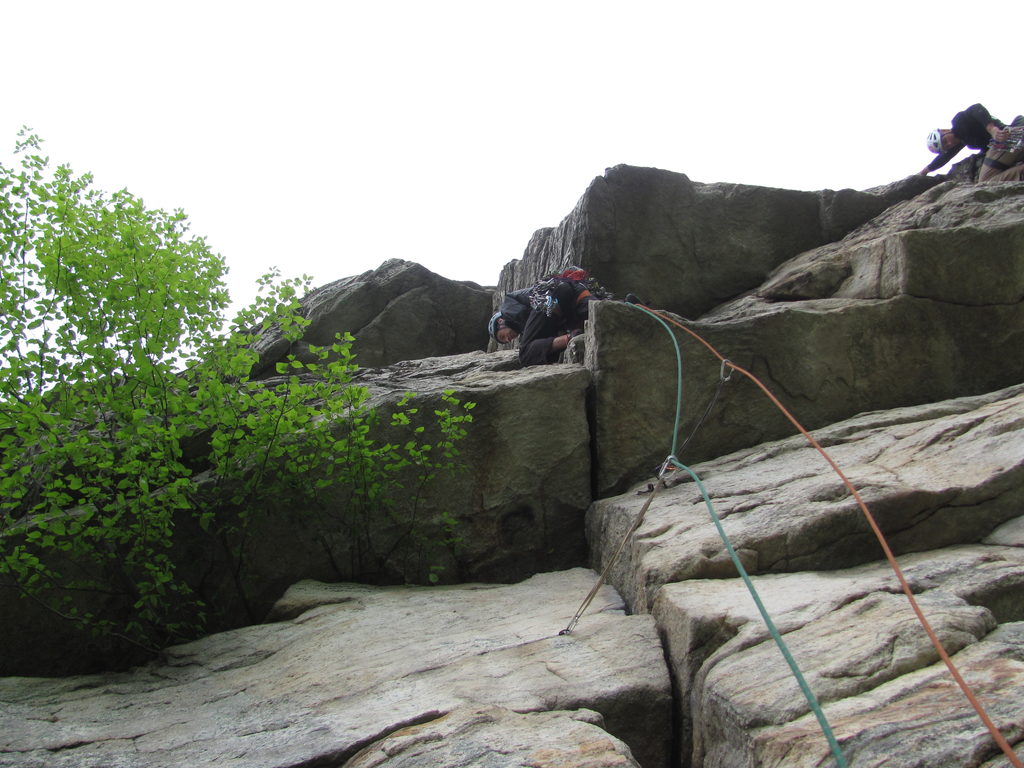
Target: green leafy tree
point(126, 410)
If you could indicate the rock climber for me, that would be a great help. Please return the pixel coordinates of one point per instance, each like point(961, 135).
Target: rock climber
point(977, 129)
point(544, 317)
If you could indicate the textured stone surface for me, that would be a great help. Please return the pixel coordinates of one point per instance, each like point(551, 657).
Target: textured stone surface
point(399, 311)
point(863, 653)
point(339, 678)
point(522, 489)
point(958, 244)
point(518, 503)
point(825, 359)
point(933, 476)
point(945, 483)
point(923, 303)
point(496, 737)
point(687, 246)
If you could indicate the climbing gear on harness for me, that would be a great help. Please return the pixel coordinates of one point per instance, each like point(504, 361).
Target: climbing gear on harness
point(1014, 142)
point(586, 287)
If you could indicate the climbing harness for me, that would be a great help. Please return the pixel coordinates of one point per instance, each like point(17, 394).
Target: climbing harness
point(542, 293)
point(994, 731)
point(1014, 142)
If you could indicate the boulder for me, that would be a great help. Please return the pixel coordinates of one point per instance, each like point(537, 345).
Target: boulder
point(514, 506)
point(376, 675)
point(923, 303)
point(863, 653)
point(399, 311)
point(945, 485)
point(686, 246)
point(934, 476)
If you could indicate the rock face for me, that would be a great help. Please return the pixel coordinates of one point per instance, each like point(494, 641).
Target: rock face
point(890, 322)
point(516, 504)
point(486, 735)
point(686, 247)
point(945, 483)
point(518, 498)
point(934, 475)
point(364, 676)
point(399, 311)
point(923, 303)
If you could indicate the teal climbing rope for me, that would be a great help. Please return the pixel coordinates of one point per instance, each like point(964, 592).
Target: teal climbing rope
point(812, 700)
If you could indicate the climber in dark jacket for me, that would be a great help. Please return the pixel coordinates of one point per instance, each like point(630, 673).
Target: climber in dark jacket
point(545, 331)
point(977, 129)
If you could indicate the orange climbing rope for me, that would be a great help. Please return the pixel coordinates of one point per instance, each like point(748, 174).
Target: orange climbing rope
point(997, 735)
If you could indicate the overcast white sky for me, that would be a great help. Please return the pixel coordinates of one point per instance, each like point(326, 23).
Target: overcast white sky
point(326, 137)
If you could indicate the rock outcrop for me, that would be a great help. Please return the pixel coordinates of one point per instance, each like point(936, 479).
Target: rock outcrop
point(686, 247)
point(517, 504)
point(923, 303)
point(364, 676)
point(890, 322)
point(399, 311)
point(945, 484)
point(518, 499)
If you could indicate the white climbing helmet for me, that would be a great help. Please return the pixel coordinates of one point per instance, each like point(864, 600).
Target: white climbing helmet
point(492, 326)
point(935, 141)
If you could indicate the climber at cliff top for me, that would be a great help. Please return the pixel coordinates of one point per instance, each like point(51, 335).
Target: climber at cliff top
point(977, 129)
point(543, 317)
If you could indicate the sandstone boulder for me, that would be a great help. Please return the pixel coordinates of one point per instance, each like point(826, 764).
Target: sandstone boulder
point(399, 311)
point(373, 675)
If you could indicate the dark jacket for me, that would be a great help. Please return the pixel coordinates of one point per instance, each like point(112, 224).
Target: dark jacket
point(540, 329)
point(515, 309)
point(969, 127)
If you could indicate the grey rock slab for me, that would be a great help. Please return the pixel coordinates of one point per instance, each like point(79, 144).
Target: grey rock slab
point(959, 243)
point(934, 476)
point(344, 674)
point(495, 737)
point(851, 632)
point(920, 720)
